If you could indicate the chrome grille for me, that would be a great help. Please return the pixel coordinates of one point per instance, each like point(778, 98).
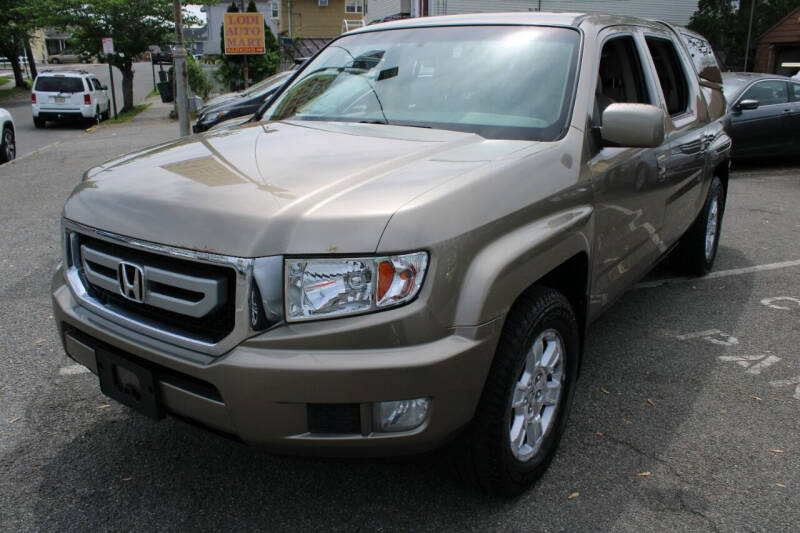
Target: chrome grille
point(189, 295)
point(192, 299)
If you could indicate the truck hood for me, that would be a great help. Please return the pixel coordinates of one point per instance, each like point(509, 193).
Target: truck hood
point(277, 188)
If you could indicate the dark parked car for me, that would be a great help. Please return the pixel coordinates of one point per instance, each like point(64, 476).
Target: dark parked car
point(763, 114)
point(240, 104)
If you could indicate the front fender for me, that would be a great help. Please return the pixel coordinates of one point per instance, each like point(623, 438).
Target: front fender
point(507, 266)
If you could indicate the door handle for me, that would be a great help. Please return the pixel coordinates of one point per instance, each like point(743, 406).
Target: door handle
point(661, 162)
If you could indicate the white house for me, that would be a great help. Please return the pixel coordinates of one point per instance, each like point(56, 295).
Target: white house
point(675, 11)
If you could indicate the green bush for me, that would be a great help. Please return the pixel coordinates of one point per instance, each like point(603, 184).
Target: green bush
point(198, 81)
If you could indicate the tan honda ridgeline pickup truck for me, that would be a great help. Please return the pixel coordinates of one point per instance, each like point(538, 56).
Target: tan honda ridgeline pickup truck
point(408, 243)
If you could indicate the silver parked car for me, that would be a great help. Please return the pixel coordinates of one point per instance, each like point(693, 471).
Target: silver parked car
point(68, 56)
point(405, 250)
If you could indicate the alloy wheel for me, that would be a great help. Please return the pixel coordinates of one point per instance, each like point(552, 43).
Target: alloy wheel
point(537, 394)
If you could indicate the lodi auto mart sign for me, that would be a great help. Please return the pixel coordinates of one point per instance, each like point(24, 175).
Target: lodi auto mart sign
point(244, 33)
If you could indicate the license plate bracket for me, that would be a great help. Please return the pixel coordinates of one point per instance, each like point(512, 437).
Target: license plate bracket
point(129, 383)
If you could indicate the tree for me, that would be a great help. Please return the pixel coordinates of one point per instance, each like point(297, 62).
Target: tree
point(133, 24)
point(17, 25)
point(259, 66)
point(726, 27)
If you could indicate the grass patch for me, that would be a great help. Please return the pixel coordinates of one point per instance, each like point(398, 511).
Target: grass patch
point(127, 116)
point(7, 89)
point(154, 92)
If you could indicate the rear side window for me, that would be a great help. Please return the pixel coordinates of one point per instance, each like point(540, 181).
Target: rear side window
point(96, 84)
point(671, 75)
point(53, 84)
point(767, 92)
point(702, 54)
point(795, 92)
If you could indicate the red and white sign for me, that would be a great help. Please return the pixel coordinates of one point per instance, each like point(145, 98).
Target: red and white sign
point(108, 45)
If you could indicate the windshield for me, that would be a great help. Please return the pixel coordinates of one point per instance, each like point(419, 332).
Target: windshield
point(501, 82)
point(55, 84)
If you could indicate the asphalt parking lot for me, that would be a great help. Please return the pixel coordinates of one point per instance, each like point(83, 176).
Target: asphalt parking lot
point(685, 418)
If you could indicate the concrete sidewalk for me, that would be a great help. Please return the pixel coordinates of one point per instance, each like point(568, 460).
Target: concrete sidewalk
point(158, 111)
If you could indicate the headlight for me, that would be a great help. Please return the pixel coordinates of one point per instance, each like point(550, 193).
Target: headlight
point(327, 288)
point(211, 117)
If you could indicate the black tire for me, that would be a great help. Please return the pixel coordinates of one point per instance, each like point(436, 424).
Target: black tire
point(54, 61)
point(107, 113)
point(485, 456)
point(95, 120)
point(691, 255)
point(39, 123)
point(8, 145)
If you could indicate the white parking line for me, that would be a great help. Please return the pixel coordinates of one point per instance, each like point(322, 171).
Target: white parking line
point(719, 274)
point(73, 370)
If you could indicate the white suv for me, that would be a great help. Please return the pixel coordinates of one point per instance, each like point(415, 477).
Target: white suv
point(68, 94)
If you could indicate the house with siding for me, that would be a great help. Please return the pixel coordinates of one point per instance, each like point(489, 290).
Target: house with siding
point(675, 11)
point(779, 46)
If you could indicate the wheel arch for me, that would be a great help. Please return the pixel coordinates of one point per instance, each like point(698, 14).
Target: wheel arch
point(551, 252)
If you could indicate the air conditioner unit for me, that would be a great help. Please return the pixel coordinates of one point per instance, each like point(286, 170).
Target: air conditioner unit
point(322, 3)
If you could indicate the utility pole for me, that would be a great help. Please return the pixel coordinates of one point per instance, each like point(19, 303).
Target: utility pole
point(749, 29)
point(244, 59)
point(181, 74)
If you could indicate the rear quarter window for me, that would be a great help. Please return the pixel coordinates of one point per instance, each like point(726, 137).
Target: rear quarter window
point(55, 84)
point(702, 54)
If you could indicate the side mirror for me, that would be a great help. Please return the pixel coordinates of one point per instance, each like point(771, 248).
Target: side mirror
point(746, 105)
point(633, 125)
point(104, 87)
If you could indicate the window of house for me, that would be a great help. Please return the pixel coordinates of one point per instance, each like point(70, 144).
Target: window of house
point(671, 75)
point(767, 92)
point(620, 78)
point(354, 6)
point(275, 9)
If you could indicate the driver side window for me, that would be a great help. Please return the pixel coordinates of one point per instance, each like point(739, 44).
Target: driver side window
point(767, 93)
point(620, 78)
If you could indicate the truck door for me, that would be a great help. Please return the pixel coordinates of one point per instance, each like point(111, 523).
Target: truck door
point(687, 133)
point(627, 182)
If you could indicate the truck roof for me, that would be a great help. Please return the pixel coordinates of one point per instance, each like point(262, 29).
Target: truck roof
point(541, 18)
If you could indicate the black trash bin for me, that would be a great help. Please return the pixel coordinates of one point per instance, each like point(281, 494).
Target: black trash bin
point(165, 90)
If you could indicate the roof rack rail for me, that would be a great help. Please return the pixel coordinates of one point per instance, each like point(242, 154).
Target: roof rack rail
point(66, 71)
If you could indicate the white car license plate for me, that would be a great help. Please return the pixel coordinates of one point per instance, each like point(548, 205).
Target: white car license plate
point(60, 99)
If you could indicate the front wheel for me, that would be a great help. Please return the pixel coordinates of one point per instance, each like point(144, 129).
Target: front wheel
point(526, 399)
point(8, 146)
point(697, 249)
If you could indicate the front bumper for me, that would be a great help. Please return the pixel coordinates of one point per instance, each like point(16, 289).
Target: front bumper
point(267, 396)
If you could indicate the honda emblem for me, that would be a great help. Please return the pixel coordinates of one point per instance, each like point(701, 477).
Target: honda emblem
point(131, 282)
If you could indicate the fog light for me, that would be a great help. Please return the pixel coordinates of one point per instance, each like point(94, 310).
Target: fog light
point(400, 415)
